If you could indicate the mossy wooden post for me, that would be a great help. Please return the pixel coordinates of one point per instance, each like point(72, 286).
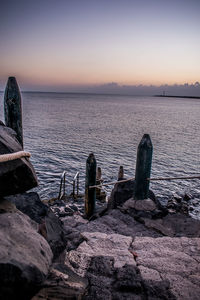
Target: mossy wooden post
point(13, 108)
point(90, 180)
point(143, 168)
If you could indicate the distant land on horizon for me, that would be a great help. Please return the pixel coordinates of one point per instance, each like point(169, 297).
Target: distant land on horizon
point(181, 90)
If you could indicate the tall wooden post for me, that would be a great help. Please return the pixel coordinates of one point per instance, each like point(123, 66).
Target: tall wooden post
point(13, 108)
point(90, 179)
point(143, 168)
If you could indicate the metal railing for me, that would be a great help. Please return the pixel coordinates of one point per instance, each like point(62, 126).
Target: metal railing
point(62, 185)
point(75, 185)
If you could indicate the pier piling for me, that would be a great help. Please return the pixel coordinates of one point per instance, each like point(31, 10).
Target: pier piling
point(99, 174)
point(13, 108)
point(98, 182)
point(90, 180)
point(143, 168)
point(121, 173)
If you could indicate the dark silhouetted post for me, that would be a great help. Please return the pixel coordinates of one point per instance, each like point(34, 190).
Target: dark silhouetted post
point(121, 173)
point(143, 168)
point(98, 182)
point(13, 108)
point(90, 180)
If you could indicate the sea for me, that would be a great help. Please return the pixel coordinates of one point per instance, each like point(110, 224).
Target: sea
point(62, 129)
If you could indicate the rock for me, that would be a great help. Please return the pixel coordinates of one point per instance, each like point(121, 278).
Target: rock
point(187, 197)
point(108, 282)
point(117, 269)
point(7, 206)
point(146, 204)
point(55, 234)
point(25, 256)
point(120, 193)
point(177, 198)
point(59, 203)
point(113, 222)
point(31, 205)
point(99, 244)
point(175, 225)
point(73, 207)
point(140, 209)
point(124, 191)
point(62, 283)
point(50, 225)
point(69, 211)
point(174, 260)
point(16, 176)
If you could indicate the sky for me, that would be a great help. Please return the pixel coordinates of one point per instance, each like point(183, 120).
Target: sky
point(57, 44)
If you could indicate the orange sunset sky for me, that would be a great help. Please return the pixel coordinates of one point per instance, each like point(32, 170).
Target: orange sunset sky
point(61, 43)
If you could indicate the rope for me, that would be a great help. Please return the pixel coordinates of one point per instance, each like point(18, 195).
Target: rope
point(13, 156)
point(173, 178)
point(110, 183)
point(150, 179)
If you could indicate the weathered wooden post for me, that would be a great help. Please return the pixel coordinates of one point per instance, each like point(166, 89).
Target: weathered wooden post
point(99, 174)
point(90, 180)
point(98, 182)
point(143, 168)
point(13, 108)
point(121, 173)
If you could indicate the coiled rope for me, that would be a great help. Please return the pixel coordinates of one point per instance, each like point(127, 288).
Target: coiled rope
point(13, 156)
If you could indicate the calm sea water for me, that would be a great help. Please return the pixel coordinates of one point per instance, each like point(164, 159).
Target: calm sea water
point(60, 130)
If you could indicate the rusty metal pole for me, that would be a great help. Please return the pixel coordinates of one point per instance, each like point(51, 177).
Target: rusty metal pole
point(143, 168)
point(13, 108)
point(90, 180)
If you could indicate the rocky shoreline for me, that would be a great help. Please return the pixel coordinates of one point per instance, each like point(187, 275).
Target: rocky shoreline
point(128, 249)
point(137, 250)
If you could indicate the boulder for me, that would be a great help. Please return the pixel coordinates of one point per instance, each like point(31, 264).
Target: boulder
point(145, 205)
point(50, 226)
point(16, 176)
point(113, 222)
point(174, 260)
point(55, 233)
point(124, 191)
point(116, 268)
point(145, 208)
point(30, 204)
point(174, 225)
point(100, 244)
point(121, 193)
point(25, 256)
point(62, 283)
point(109, 264)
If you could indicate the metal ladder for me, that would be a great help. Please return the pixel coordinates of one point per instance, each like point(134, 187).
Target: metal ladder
point(75, 184)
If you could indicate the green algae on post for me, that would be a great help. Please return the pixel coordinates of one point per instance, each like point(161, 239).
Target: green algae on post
point(143, 168)
point(13, 108)
point(90, 180)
